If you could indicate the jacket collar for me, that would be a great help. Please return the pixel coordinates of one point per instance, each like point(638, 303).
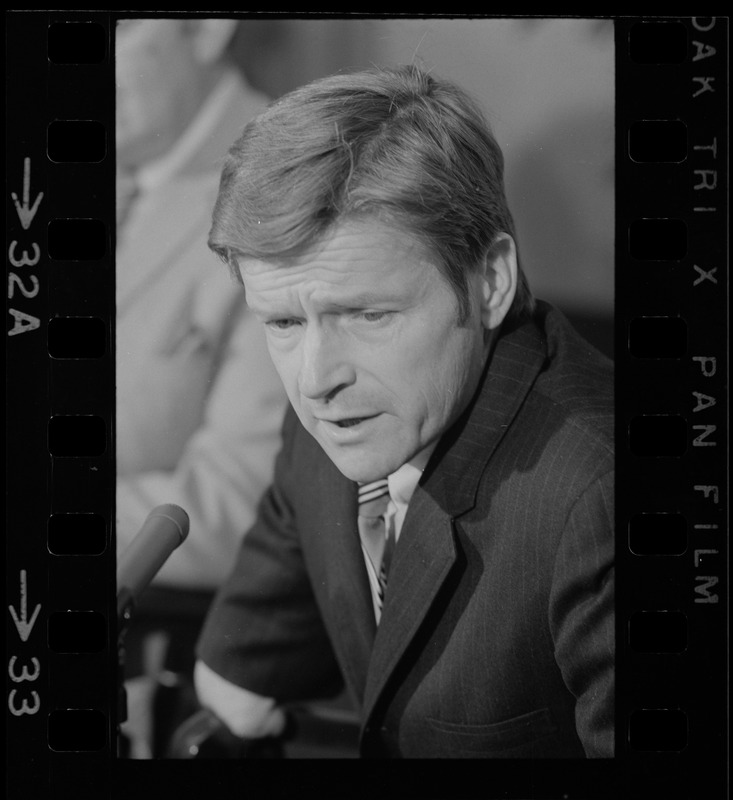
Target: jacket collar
point(453, 473)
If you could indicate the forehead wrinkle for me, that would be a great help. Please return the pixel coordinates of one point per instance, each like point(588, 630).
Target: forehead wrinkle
point(369, 234)
point(284, 284)
point(351, 267)
point(335, 289)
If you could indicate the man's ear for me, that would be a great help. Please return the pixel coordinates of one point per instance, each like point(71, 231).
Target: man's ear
point(211, 37)
point(498, 281)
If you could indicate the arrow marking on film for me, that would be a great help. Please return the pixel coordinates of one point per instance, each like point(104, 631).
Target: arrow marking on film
point(21, 623)
point(26, 212)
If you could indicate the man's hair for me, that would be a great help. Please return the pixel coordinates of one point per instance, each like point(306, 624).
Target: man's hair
point(396, 144)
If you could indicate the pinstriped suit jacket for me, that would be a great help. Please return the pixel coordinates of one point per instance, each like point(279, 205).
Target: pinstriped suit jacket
point(497, 634)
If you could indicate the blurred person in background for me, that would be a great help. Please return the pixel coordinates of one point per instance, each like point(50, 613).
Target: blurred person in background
point(199, 405)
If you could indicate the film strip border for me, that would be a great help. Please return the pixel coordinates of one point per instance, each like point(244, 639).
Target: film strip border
point(671, 285)
point(60, 404)
point(671, 351)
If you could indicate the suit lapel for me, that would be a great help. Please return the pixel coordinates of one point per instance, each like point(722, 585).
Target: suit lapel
point(422, 560)
point(337, 568)
point(427, 549)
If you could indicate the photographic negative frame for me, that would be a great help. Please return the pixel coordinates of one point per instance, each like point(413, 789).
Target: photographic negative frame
point(670, 347)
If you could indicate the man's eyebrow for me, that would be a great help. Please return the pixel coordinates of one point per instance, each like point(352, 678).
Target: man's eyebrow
point(363, 299)
point(366, 300)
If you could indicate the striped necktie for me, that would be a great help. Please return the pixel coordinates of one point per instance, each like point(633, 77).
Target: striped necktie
point(377, 541)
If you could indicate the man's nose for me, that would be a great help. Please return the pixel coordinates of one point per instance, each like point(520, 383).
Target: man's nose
point(325, 367)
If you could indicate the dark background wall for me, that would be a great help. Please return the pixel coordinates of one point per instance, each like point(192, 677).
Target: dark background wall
point(547, 89)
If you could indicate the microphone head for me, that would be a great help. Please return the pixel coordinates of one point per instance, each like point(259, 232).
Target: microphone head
point(175, 514)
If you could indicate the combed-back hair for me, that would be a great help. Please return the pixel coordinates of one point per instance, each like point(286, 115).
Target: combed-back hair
point(395, 144)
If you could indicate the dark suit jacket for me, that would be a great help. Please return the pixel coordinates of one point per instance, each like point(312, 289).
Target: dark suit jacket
point(497, 634)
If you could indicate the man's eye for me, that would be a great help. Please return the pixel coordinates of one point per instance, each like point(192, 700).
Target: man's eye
point(373, 316)
point(281, 324)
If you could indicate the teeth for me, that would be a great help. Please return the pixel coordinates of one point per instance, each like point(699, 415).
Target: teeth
point(347, 423)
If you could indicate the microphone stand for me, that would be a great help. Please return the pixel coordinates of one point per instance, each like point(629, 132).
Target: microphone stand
point(164, 529)
point(203, 735)
point(125, 606)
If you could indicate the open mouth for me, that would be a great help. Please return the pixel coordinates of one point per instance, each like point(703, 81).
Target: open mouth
point(348, 429)
point(349, 423)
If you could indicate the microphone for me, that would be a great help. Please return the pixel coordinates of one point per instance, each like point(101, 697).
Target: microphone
point(164, 529)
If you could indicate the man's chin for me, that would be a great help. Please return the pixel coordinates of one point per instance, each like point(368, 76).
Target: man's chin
point(361, 467)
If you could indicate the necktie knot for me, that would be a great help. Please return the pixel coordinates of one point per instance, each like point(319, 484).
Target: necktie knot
point(374, 498)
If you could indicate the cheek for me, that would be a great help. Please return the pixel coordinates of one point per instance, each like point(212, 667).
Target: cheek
point(448, 374)
point(287, 364)
point(420, 382)
point(286, 368)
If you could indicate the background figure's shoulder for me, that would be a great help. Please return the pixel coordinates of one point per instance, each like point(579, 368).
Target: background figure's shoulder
point(576, 374)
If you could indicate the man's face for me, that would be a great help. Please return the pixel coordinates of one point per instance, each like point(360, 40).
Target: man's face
point(363, 330)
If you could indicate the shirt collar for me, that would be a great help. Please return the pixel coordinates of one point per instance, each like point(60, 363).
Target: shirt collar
point(403, 482)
